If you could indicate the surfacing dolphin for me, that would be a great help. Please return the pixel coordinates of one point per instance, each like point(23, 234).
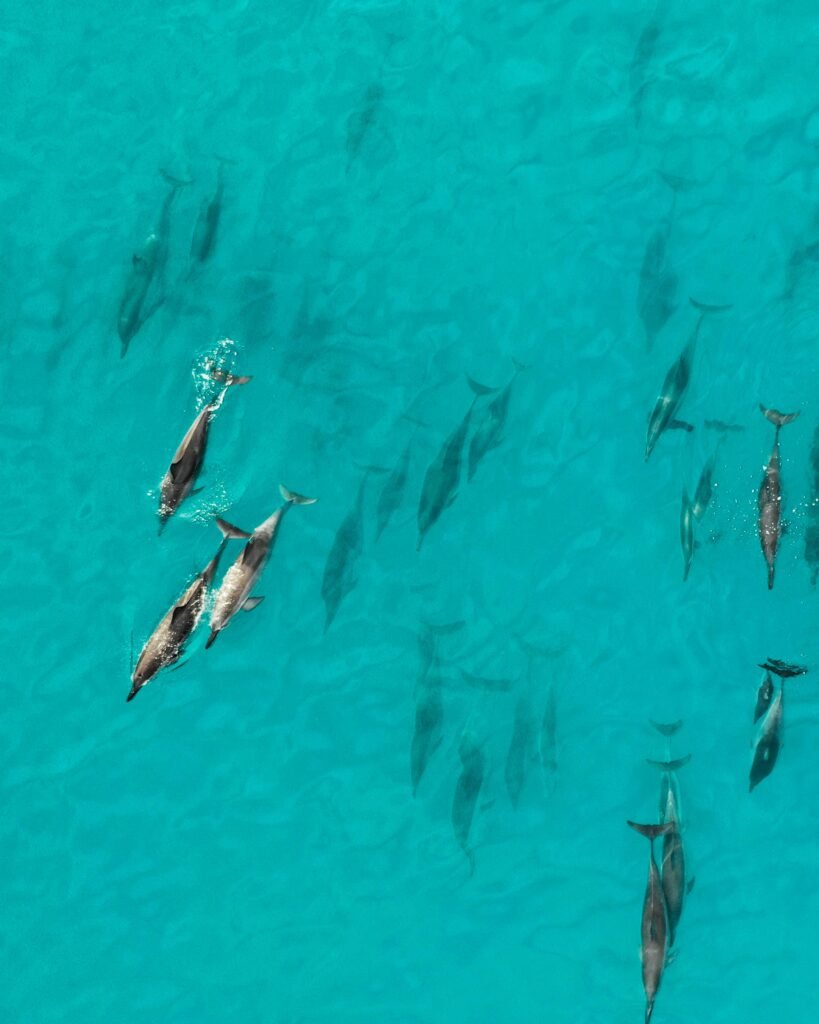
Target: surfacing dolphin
point(147, 265)
point(165, 645)
point(187, 461)
point(675, 886)
point(676, 382)
point(242, 576)
point(654, 929)
point(770, 495)
point(444, 473)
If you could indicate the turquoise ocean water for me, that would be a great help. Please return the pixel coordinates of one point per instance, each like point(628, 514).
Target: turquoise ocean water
point(416, 192)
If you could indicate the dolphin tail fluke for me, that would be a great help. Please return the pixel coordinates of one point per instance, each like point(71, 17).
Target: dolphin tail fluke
point(231, 532)
point(171, 179)
point(779, 419)
point(295, 499)
point(705, 307)
point(667, 728)
point(651, 831)
point(214, 633)
point(670, 766)
point(479, 389)
point(228, 379)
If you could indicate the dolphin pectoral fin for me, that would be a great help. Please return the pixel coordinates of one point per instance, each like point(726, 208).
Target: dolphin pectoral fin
point(195, 491)
point(681, 425)
point(690, 886)
point(251, 603)
point(230, 531)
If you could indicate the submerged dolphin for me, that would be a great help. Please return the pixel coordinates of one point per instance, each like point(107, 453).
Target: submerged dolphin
point(654, 930)
point(705, 488)
point(207, 223)
point(520, 747)
point(467, 791)
point(392, 493)
point(676, 382)
point(489, 432)
point(165, 645)
point(444, 473)
point(339, 572)
point(656, 293)
point(770, 495)
point(429, 707)
point(147, 265)
point(187, 461)
point(242, 576)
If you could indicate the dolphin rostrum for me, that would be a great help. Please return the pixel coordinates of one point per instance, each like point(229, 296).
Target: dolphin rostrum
point(242, 576)
point(165, 645)
point(187, 461)
point(444, 473)
point(654, 929)
point(770, 495)
point(147, 265)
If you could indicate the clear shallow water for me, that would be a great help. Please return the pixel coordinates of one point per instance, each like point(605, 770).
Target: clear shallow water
point(241, 840)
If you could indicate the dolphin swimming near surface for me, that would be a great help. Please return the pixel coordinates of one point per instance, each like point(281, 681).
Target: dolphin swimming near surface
point(705, 488)
point(165, 645)
point(187, 460)
point(687, 533)
point(147, 266)
point(769, 741)
point(676, 382)
point(243, 575)
point(675, 886)
point(770, 495)
point(654, 930)
point(443, 476)
point(467, 791)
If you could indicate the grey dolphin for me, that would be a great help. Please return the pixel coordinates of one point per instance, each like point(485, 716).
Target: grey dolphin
point(643, 53)
point(657, 289)
point(443, 475)
point(676, 382)
point(147, 265)
point(339, 572)
point(769, 741)
point(187, 460)
point(489, 432)
point(242, 576)
point(687, 533)
point(770, 495)
point(467, 791)
point(705, 488)
point(654, 929)
point(207, 223)
point(166, 644)
point(675, 886)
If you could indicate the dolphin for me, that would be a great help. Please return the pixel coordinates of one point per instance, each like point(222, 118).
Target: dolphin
point(764, 696)
point(676, 382)
point(444, 473)
point(548, 732)
point(207, 223)
point(187, 461)
point(339, 572)
point(147, 265)
point(520, 746)
point(687, 533)
point(657, 290)
point(489, 432)
point(165, 645)
point(770, 495)
point(361, 121)
point(783, 668)
point(429, 708)
point(392, 493)
point(705, 488)
point(242, 576)
point(674, 882)
point(724, 428)
point(769, 741)
point(467, 791)
point(654, 930)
